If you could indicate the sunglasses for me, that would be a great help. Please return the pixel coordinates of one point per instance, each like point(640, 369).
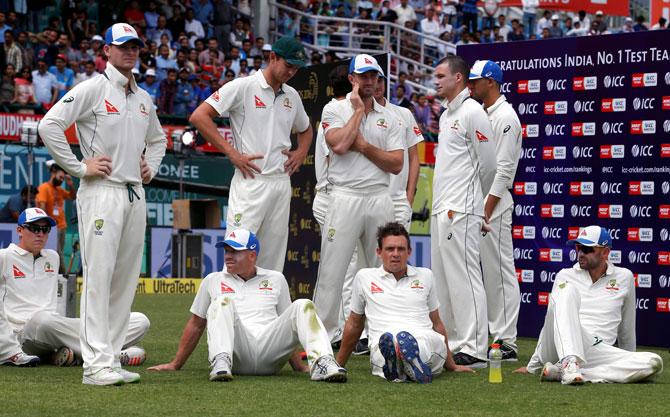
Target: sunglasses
point(33, 228)
point(586, 249)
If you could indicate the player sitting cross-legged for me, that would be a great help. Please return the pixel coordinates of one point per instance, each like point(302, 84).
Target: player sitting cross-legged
point(407, 337)
point(252, 326)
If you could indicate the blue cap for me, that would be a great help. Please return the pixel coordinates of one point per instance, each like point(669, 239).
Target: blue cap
point(240, 239)
point(120, 33)
point(486, 69)
point(33, 214)
point(363, 63)
point(593, 236)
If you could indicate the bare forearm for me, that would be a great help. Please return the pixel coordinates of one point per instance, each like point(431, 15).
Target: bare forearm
point(413, 173)
point(305, 140)
point(352, 332)
point(341, 139)
point(208, 129)
point(189, 340)
point(387, 161)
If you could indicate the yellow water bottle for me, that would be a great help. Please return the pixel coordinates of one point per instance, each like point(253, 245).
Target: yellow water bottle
point(495, 362)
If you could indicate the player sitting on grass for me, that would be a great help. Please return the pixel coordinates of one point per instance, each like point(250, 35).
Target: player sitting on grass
point(591, 306)
point(28, 290)
point(252, 326)
point(407, 336)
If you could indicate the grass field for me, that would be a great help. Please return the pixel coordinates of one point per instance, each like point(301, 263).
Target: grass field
point(51, 391)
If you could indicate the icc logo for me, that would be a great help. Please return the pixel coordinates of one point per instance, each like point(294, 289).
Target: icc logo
point(573, 255)
point(527, 153)
point(610, 188)
point(614, 233)
point(644, 104)
point(547, 276)
point(663, 234)
point(553, 188)
point(555, 85)
point(580, 211)
point(525, 254)
point(527, 108)
point(582, 152)
point(666, 126)
point(616, 81)
point(638, 257)
point(554, 130)
point(665, 187)
point(525, 297)
point(643, 304)
point(612, 128)
point(643, 150)
point(551, 232)
point(640, 211)
point(583, 106)
point(505, 88)
point(521, 210)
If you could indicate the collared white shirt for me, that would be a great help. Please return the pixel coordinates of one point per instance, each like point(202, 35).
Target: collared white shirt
point(27, 285)
point(465, 158)
point(379, 128)
point(257, 301)
point(392, 305)
point(109, 123)
point(321, 153)
point(260, 120)
point(507, 131)
point(411, 135)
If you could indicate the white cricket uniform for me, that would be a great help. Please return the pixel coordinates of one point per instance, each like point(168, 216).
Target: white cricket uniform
point(262, 122)
point(29, 289)
point(500, 282)
point(392, 305)
point(411, 135)
point(464, 171)
point(321, 194)
point(111, 211)
point(255, 323)
point(359, 204)
point(585, 319)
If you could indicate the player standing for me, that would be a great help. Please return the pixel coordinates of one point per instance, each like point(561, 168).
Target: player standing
point(500, 282)
point(464, 170)
point(263, 111)
point(116, 124)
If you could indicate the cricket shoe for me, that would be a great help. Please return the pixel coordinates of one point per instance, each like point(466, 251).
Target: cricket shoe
point(508, 352)
point(133, 356)
point(362, 347)
point(570, 372)
point(21, 359)
point(104, 376)
point(327, 369)
point(470, 361)
point(63, 357)
point(408, 351)
point(128, 377)
point(550, 372)
point(387, 348)
point(221, 368)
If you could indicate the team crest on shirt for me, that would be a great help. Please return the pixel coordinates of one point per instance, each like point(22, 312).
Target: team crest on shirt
point(481, 137)
point(287, 103)
point(237, 218)
point(611, 285)
point(325, 125)
point(259, 103)
point(99, 223)
point(331, 234)
point(455, 125)
point(48, 268)
point(216, 97)
point(416, 284)
point(143, 110)
point(265, 285)
point(17, 272)
point(416, 130)
point(375, 289)
point(382, 123)
point(226, 289)
point(111, 109)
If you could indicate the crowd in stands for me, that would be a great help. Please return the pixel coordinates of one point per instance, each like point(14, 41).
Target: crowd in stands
point(192, 47)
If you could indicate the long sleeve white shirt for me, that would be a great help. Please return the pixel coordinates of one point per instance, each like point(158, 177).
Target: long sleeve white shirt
point(465, 158)
point(109, 123)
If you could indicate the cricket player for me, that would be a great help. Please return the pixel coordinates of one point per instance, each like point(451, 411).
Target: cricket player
point(365, 145)
point(500, 282)
point(409, 341)
point(252, 326)
point(122, 144)
point(263, 112)
point(29, 288)
point(592, 306)
point(464, 170)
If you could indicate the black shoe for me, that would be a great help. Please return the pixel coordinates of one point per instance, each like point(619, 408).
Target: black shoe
point(508, 352)
point(362, 347)
point(470, 361)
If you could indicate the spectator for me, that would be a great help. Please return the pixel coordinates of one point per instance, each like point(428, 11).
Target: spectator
point(235, 59)
point(422, 113)
point(100, 58)
point(405, 13)
point(577, 30)
point(469, 14)
point(555, 30)
point(430, 26)
point(45, 47)
point(27, 52)
point(167, 92)
point(4, 27)
point(584, 21)
point(193, 26)
point(466, 39)
point(204, 10)
point(450, 10)
point(206, 55)
point(229, 75)
point(82, 55)
point(133, 15)
point(639, 25)
point(505, 29)
point(544, 22)
point(595, 29)
point(176, 23)
point(203, 89)
point(17, 203)
point(8, 84)
point(89, 72)
point(487, 36)
point(13, 54)
point(151, 15)
point(662, 24)
point(164, 63)
point(400, 98)
point(185, 94)
point(258, 46)
point(76, 26)
point(45, 84)
point(64, 76)
point(238, 34)
point(627, 25)
point(64, 48)
point(567, 24)
point(24, 92)
point(529, 15)
point(244, 68)
point(161, 29)
point(517, 33)
point(222, 22)
point(545, 34)
point(150, 85)
point(316, 58)
point(600, 20)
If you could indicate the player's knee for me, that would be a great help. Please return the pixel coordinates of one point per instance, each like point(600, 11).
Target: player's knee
point(142, 321)
point(655, 363)
point(304, 305)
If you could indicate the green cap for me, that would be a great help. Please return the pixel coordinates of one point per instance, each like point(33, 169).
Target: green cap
point(289, 48)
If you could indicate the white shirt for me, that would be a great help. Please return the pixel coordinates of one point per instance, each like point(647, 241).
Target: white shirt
point(507, 131)
point(530, 6)
point(82, 76)
point(321, 153)
point(44, 85)
point(379, 128)
point(27, 285)
point(109, 123)
point(404, 14)
point(465, 162)
point(411, 135)
point(196, 27)
point(257, 301)
point(392, 305)
point(430, 28)
point(261, 122)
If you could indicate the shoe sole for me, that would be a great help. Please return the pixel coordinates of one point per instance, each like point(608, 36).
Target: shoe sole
point(132, 381)
point(92, 381)
point(221, 377)
point(408, 350)
point(337, 378)
point(387, 349)
point(30, 364)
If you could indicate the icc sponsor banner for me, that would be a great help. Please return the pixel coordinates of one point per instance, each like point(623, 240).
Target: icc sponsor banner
point(595, 113)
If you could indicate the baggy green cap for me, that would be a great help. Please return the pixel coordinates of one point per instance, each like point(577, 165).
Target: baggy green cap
point(289, 48)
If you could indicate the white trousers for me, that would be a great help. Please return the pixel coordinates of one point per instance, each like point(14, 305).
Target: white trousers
point(432, 350)
point(111, 231)
point(265, 351)
point(502, 287)
point(352, 219)
point(402, 211)
point(46, 332)
point(9, 346)
point(458, 280)
point(262, 205)
point(563, 335)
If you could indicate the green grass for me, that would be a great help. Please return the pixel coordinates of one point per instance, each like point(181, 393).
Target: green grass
point(51, 391)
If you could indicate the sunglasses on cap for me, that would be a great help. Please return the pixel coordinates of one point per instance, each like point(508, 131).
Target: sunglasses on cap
point(34, 228)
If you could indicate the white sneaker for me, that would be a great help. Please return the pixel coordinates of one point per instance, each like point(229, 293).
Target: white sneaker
point(105, 376)
point(570, 373)
point(550, 372)
point(221, 368)
point(133, 356)
point(128, 377)
point(327, 369)
point(21, 359)
point(63, 357)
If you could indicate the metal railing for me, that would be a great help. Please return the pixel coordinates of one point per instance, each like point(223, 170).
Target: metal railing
point(349, 37)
